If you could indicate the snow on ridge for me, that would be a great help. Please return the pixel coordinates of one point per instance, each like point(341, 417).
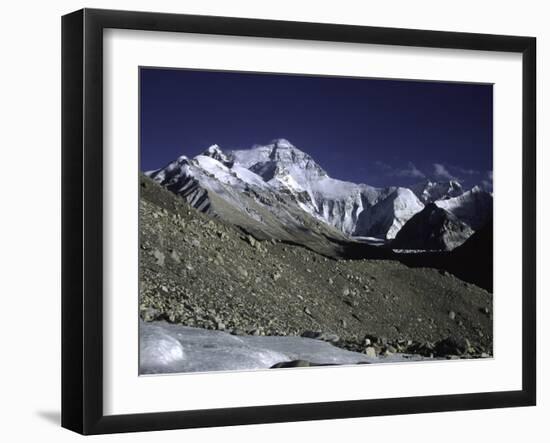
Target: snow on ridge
point(429, 191)
point(385, 218)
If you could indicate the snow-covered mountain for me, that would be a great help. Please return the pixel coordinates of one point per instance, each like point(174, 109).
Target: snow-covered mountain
point(336, 202)
point(433, 228)
point(473, 207)
point(235, 194)
point(387, 217)
point(279, 189)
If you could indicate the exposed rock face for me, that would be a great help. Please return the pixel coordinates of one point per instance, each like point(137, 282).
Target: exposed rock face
point(433, 229)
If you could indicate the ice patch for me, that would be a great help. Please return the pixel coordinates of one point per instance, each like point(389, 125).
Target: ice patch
point(168, 348)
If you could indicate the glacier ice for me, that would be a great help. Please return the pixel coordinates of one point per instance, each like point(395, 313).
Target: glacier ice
point(169, 348)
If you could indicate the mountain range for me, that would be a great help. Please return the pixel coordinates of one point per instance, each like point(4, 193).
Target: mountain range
point(276, 191)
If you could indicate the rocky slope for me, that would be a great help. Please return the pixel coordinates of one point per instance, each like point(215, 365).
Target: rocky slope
point(474, 259)
point(205, 272)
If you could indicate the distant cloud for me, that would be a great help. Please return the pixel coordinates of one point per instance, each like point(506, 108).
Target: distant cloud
point(440, 171)
point(488, 183)
point(409, 171)
point(383, 166)
point(464, 171)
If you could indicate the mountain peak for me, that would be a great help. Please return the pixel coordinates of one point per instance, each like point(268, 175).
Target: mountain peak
point(215, 152)
point(212, 150)
point(282, 143)
point(283, 150)
point(430, 191)
point(279, 159)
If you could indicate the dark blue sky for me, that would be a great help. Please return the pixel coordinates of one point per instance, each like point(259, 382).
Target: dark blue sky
point(380, 132)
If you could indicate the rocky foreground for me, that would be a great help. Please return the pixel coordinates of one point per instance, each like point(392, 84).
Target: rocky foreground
point(201, 272)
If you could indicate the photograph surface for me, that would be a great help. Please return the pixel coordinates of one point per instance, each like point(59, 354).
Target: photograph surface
point(298, 220)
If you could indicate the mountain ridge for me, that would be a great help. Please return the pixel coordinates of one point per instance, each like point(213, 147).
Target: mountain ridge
point(278, 181)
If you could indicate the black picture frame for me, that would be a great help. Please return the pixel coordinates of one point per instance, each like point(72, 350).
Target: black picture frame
point(82, 218)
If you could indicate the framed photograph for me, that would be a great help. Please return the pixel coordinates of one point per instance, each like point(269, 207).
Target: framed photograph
point(268, 221)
